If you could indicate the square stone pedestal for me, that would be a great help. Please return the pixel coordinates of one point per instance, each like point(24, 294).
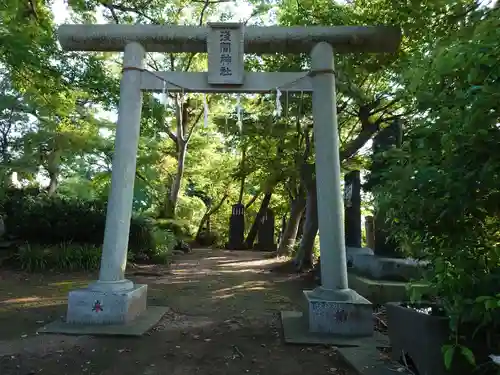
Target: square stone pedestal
point(89, 306)
point(108, 309)
point(348, 314)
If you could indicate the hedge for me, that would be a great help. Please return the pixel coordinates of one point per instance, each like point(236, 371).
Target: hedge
point(38, 218)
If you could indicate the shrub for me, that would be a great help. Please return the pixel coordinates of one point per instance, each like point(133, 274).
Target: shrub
point(190, 209)
point(54, 220)
point(206, 238)
point(165, 242)
point(62, 257)
point(180, 228)
point(441, 191)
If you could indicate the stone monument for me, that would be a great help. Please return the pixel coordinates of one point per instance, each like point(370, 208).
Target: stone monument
point(352, 208)
point(333, 307)
point(386, 139)
point(237, 228)
point(265, 235)
point(370, 232)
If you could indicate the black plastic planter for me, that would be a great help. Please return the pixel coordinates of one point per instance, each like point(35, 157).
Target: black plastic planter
point(420, 337)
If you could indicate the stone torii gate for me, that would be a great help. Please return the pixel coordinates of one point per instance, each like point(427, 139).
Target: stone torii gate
point(333, 308)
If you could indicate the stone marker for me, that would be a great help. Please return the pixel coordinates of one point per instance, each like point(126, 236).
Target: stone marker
point(370, 232)
point(386, 139)
point(352, 208)
point(266, 232)
point(237, 228)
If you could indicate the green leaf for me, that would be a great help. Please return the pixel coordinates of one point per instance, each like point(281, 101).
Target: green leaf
point(448, 352)
point(467, 353)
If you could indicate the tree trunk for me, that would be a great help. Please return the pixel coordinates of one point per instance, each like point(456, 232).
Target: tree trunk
point(52, 184)
point(300, 232)
point(303, 258)
point(243, 176)
point(53, 162)
point(292, 226)
point(252, 234)
point(208, 214)
point(173, 197)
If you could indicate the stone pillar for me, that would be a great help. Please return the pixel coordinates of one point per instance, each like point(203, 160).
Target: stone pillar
point(116, 235)
point(332, 308)
point(326, 138)
point(370, 232)
point(386, 139)
point(237, 228)
point(352, 209)
point(266, 232)
point(113, 299)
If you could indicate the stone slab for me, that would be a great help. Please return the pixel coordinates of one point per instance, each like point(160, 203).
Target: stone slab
point(379, 291)
point(383, 268)
point(296, 331)
point(366, 359)
point(347, 317)
point(353, 253)
point(89, 306)
point(136, 327)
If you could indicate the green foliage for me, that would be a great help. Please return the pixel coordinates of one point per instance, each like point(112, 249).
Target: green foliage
point(60, 257)
point(180, 228)
point(52, 220)
point(190, 209)
point(209, 238)
point(165, 241)
point(441, 190)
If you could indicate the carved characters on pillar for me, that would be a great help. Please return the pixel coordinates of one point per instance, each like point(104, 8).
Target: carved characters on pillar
point(237, 228)
point(225, 53)
point(341, 316)
point(348, 195)
point(266, 232)
point(337, 313)
point(352, 209)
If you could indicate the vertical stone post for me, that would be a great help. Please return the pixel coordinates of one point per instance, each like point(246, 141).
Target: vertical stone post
point(370, 232)
point(332, 308)
point(113, 299)
point(116, 235)
point(352, 202)
point(390, 137)
point(237, 227)
point(266, 232)
point(326, 138)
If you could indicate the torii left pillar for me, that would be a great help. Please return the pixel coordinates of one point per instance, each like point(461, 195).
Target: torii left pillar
point(113, 299)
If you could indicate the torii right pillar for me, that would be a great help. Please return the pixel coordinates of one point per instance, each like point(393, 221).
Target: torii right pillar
point(333, 307)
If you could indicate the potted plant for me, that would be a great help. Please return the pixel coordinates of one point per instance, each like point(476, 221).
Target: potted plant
point(417, 332)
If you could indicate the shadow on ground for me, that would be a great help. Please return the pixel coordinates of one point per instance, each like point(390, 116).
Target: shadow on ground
point(222, 320)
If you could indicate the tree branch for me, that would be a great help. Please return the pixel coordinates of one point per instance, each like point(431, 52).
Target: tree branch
point(252, 201)
point(123, 8)
point(218, 206)
point(196, 121)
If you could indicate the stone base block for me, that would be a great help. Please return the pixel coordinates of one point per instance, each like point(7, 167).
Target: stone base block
point(88, 306)
point(348, 315)
point(395, 269)
point(355, 253)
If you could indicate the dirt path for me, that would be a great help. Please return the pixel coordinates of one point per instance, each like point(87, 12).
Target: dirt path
point(223, 319)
